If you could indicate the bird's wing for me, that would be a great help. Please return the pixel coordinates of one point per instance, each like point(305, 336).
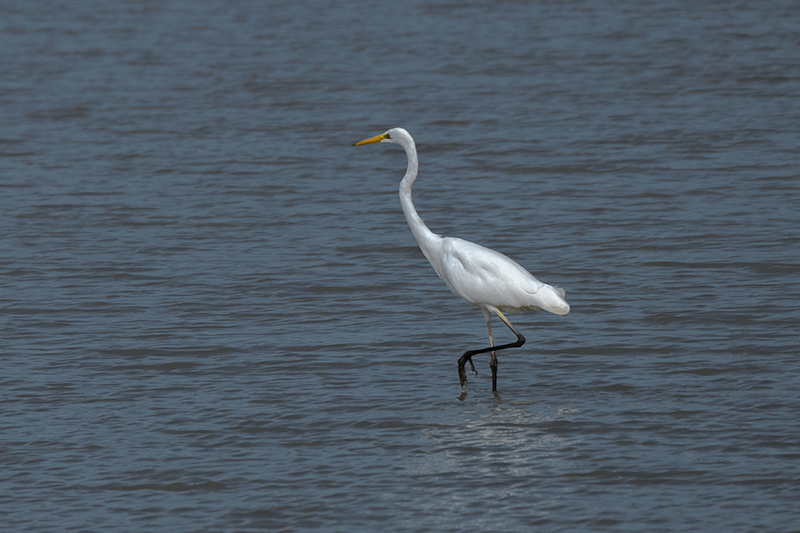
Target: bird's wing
point(484, 277)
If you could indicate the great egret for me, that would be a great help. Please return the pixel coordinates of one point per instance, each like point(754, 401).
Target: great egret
point(481, 276)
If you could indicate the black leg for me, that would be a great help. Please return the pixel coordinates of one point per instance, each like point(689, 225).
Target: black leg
point(462, 375)
point(493, 366)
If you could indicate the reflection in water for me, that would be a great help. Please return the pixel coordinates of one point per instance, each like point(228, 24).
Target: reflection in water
point(497, 439)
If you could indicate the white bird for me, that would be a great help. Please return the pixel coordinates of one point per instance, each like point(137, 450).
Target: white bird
point(485, 278)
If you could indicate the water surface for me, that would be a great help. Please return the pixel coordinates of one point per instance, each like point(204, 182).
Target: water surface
point(214, 318)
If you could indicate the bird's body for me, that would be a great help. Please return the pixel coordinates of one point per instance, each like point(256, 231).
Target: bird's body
point(486, 278)
point(481, 276)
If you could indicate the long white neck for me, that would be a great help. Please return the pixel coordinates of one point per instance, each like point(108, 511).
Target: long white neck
point(425, 237)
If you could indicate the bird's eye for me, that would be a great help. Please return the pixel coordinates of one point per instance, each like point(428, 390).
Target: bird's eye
point(388, 136)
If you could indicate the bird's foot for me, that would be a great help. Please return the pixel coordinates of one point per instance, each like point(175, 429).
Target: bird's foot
point(462, 373)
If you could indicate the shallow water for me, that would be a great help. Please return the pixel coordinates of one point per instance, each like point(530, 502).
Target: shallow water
point(214, 318)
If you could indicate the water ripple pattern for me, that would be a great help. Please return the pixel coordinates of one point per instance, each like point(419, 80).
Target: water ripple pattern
point(213, 316)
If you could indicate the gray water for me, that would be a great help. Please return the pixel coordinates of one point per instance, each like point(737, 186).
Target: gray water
point(213, 316)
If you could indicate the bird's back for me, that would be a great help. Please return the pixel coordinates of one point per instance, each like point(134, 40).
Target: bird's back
point(486, 278)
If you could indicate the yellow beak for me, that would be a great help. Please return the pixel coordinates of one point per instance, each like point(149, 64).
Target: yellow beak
point(376, 139)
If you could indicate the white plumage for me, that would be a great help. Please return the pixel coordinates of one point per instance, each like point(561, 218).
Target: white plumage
point(486, 278)
point(479, 275)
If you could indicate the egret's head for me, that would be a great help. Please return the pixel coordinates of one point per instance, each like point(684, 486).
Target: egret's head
point(394, 136)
